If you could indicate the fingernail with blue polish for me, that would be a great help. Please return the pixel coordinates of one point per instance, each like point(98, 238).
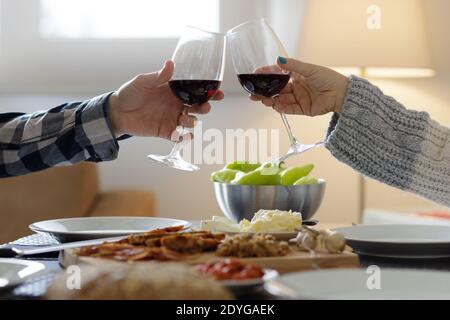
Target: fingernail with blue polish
point(282, 60)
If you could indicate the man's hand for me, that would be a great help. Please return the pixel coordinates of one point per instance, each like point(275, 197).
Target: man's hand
point(145, 106)
point(312, 90)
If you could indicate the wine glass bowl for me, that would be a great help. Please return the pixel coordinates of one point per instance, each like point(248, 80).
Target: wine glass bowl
point(199, 66)
point(254, 49)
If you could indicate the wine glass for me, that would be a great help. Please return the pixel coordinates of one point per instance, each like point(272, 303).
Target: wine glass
point(199, 65)
point(254, 48)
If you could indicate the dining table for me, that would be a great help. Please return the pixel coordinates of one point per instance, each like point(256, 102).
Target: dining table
point(35, 288)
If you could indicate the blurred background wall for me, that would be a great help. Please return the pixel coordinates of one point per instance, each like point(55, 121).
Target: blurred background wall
point(40, 69)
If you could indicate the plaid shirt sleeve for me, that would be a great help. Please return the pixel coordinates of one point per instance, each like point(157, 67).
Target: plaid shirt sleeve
point(63, 135)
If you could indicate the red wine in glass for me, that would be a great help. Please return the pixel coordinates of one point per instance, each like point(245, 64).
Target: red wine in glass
point(192, 92)
point(263, 84)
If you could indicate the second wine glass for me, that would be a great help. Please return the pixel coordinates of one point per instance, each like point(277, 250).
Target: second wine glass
point(199, 64)
point(254, 48)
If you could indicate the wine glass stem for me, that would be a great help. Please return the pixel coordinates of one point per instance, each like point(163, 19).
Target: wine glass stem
point(292, 139)
point(175, 149)
point(181, 132)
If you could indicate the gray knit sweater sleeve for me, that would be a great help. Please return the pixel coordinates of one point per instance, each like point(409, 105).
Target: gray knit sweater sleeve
point(377, 136)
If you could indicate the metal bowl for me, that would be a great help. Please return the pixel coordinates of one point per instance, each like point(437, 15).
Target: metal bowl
point(242, 201)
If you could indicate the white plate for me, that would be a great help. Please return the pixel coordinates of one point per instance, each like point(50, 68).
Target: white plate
point(399, 241)
point(351, 284)
point(76, 229)
point(241, 286)
point(13, 272)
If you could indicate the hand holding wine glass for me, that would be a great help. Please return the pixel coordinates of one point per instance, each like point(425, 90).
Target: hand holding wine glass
point(146, 106)
point(312, 90)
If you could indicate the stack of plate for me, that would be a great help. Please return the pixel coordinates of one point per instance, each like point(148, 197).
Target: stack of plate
point(399, 241)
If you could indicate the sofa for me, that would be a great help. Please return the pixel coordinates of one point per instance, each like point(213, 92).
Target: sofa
point(64, 192)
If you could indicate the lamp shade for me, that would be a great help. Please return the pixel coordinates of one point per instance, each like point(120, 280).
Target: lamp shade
point(382, 38)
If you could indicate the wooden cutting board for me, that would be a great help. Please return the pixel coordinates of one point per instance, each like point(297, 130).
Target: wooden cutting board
point(294, 261)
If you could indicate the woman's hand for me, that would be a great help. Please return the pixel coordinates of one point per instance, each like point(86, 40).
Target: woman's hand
point(145, 106)
point(312, 90)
